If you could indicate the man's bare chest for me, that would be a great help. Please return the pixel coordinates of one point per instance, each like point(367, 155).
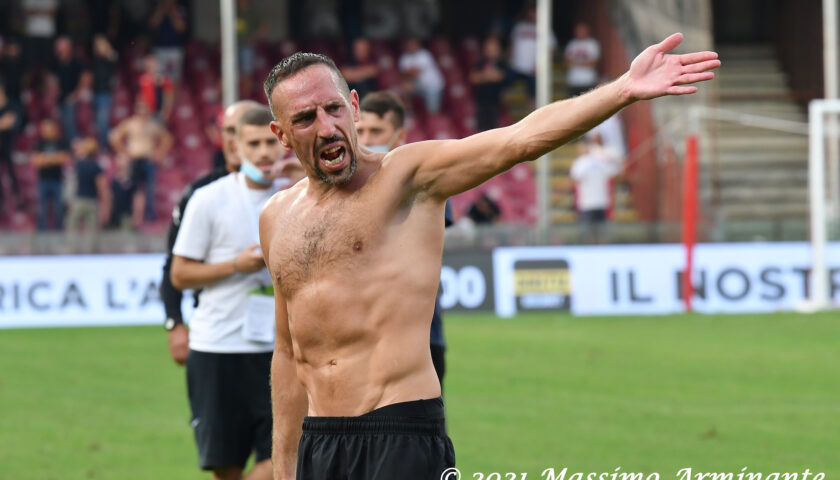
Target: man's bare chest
point(319, 242)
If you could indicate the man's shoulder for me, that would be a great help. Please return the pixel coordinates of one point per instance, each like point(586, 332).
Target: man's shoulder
point(202, 181)
point(279, 206)
point(211, 192)
point(208, 179)
point(281, 201)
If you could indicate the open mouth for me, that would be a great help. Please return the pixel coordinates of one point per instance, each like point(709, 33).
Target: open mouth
point(333, 158)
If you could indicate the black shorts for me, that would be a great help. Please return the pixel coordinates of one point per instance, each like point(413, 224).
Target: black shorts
point(405, 441)
point(230, 399)
point(593, 216)
point(139, 171)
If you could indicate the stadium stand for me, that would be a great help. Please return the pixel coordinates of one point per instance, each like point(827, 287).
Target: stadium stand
point(197, 105)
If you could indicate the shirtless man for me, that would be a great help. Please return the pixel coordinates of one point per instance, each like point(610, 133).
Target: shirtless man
point(144, 140)
point(354, 251)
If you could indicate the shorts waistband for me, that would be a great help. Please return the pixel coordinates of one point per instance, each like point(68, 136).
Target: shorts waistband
point(424, 417)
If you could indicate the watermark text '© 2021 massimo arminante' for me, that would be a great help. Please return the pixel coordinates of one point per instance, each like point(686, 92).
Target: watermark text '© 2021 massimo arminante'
point(686, 473)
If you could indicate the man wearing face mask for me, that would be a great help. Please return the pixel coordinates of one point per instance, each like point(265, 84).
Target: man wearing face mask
point(381, 129)
point(177, 335)
point(231, 336)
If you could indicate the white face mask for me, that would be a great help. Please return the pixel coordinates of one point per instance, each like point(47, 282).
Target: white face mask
point(255, 174)
point(386, 147)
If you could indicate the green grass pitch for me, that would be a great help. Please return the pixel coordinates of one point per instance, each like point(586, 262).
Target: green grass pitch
point(714, 393)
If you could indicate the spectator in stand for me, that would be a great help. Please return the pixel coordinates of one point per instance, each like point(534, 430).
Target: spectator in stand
point(84, 95)
point(143, 140)
point(104, 68)
point(214, 130)
point(362, 72)
point(168, 23)
point(611, 133)
point(122, 196)
point(9, 119)
point(12, 71)
point(67, 70)
point(592, 172)
point(422, 75)
point(49, 157)
point(488, 76)
point(484, 211)
point(91, 188)
point(156, 90)
point(250, 30)
point(582, 55)
point(39, 25)
point(523, 49)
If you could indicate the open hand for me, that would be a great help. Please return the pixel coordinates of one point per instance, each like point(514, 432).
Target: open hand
point(654, 73)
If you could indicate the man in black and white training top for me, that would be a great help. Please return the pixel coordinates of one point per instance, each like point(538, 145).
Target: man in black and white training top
point(232, 332)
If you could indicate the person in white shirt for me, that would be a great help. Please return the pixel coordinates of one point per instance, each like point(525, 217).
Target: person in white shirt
point(231, 335)
point(611, 132)
point(523, 49)
point(422, 74)
point(582, 55)
point(592, 172)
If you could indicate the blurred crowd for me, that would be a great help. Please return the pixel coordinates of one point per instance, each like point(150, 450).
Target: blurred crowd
point(97, 167)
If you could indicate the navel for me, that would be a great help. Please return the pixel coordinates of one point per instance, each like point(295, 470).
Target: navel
point(332, 363)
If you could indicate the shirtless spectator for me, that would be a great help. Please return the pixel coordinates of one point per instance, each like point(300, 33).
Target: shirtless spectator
point(354, 253)
point(145, 142)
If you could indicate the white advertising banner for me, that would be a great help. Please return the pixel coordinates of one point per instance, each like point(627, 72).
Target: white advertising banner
point(646, 279)
point(56, 291)
point(82, 290)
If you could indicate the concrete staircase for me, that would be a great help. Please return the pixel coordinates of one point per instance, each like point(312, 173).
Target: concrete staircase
point(562, 193)
point(762, 174)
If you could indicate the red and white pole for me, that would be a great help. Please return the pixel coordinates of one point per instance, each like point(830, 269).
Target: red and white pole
point(689, 217)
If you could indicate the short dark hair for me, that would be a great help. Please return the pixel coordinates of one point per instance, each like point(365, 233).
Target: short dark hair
point(258, 116)
point(295, 63)
point(383, 102)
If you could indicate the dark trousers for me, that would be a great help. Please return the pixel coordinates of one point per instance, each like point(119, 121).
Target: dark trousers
point(6, 162)
point(49, 194)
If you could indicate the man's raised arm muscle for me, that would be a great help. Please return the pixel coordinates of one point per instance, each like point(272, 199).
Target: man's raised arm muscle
point(449, 167)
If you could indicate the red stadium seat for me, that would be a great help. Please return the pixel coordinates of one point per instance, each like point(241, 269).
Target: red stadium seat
point(440, 127)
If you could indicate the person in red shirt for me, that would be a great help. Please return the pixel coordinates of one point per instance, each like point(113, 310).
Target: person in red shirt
point(156, 90)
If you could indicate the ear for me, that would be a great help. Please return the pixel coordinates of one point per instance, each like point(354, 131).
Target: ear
point(402, 136)
point(354, 101)
point(235, 148)
point(278, 132)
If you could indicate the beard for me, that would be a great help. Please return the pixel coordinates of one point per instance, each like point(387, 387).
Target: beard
point(336, 178)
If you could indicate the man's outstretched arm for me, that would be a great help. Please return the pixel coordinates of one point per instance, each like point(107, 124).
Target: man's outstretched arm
point(445, 168)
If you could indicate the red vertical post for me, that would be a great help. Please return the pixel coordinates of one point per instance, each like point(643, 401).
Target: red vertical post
point(689, 217)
